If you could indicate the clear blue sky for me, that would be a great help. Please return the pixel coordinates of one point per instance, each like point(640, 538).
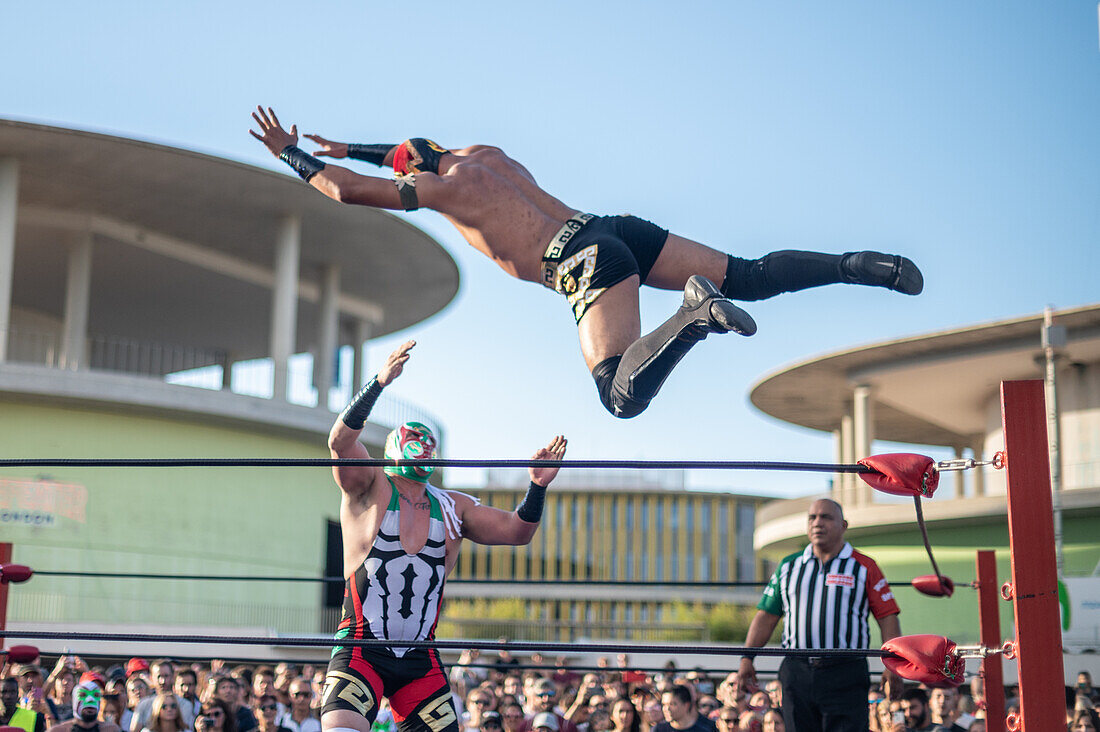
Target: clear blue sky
point(964, 135)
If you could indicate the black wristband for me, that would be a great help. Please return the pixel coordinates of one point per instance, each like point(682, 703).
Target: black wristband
point(530, 508)
point(375, 154)
point(358, 409)
point(303, 163)
point(750, 656)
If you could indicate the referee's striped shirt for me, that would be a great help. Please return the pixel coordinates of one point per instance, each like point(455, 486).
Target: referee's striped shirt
point(826, 605)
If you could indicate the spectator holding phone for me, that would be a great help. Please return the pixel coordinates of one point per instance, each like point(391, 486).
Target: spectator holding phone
point(215, 716)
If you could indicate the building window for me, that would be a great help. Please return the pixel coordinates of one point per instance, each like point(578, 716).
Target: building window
point(727, 545)
point(746, 559)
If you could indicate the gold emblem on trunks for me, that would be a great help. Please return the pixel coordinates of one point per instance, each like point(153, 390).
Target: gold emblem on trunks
point(439, 713)
point(576, 287)
point(350, 689)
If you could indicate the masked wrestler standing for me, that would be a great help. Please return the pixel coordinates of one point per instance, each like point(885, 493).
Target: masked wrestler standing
point(401, 539)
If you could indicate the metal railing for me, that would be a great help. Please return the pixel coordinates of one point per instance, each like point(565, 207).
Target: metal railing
point(198, 368)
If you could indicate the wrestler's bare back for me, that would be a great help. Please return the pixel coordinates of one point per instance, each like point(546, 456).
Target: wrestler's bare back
point(498, 208)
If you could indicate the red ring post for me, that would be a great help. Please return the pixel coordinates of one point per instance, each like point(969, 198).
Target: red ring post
point(990, 623)
point(1034, 570)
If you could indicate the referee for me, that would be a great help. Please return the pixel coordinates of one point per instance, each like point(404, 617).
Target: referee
point(823, 594)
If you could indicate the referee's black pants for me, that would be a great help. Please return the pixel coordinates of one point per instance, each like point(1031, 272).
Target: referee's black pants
point(825, 695)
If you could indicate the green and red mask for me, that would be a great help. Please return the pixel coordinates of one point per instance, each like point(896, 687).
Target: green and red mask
point(87, 697)
point(411, 441)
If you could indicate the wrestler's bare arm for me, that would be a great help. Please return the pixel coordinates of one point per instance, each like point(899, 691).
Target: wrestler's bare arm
point(343, 441)
point(339, 183)
point(488, 525)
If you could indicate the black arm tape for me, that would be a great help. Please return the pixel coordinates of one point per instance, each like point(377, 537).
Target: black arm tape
point(358, 409)
point(530, 508)
point(303, 163)
point(406, 188)
point(371, 153)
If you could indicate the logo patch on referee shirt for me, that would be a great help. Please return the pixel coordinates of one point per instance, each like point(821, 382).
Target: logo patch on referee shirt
point(840, 580)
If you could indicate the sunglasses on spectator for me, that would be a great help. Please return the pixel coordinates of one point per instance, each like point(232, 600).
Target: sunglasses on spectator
point(268, 707)
point(479, 701)
point(301, 694)
point(728, 720)
point(212, 713)
point(169, 706)
point(545, 693)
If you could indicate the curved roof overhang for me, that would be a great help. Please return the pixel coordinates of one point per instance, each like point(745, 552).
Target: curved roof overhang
point(188, 238)
point(931, 389)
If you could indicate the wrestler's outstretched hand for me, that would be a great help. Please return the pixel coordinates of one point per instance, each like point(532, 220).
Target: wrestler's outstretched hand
point(272, 134)
point(395, 364)
point(328, 147)
point(554, 451)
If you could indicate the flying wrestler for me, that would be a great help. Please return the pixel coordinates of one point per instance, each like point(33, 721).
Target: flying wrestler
point(597, 262)
point(401, 539)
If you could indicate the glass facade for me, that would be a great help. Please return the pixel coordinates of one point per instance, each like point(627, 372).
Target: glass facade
point(618, 534)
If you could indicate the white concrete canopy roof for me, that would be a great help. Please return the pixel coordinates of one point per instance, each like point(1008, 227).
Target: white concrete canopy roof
point(184, 243)
point(930, 389)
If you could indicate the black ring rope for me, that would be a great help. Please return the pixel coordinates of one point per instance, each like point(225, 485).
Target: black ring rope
point(927, 543)
point(505, 668)
point(434, 462)
point(341, 580)
point(333, 579)
point(528, 646)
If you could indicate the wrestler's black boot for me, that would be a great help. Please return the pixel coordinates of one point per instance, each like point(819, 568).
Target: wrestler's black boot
point(791, 270)
point(649, 360)
point(891, 271)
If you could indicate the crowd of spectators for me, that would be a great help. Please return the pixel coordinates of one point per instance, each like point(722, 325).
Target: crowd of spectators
point(500, 695)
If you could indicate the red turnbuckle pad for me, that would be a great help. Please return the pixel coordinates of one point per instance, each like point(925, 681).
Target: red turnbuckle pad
point(14, 573)
point(934, 585)
point(929, 659)
point(902, 473)
point(22, 654)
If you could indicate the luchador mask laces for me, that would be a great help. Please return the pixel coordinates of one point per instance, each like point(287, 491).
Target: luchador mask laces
point(411, 441)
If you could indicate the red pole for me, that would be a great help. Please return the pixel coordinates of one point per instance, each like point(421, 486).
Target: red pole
point(989, 594)
point(1031, 546)
point(5, 558)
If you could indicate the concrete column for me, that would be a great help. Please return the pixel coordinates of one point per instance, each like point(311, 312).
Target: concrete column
point(227, 372)
point(979, 473)
point(327, 328)
point(863, 433)
point(360, 374)
point(838, 456)
point(78, 289)
point(284, 301)
point(9, 197)
point(847, 455)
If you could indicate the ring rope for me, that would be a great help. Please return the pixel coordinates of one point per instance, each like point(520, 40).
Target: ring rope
point(434, 462)
point(924, 535)
point(527, 646)
point(518, 667)
point(341, 580)
point(336, 579)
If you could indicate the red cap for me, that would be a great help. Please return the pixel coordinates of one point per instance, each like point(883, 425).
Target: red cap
point(134, 665)
point(93, 676)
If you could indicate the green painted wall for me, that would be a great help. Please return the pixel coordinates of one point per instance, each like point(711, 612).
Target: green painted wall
point(258, 521)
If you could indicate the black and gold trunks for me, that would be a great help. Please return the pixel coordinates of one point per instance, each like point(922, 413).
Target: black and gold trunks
point(591, 253)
